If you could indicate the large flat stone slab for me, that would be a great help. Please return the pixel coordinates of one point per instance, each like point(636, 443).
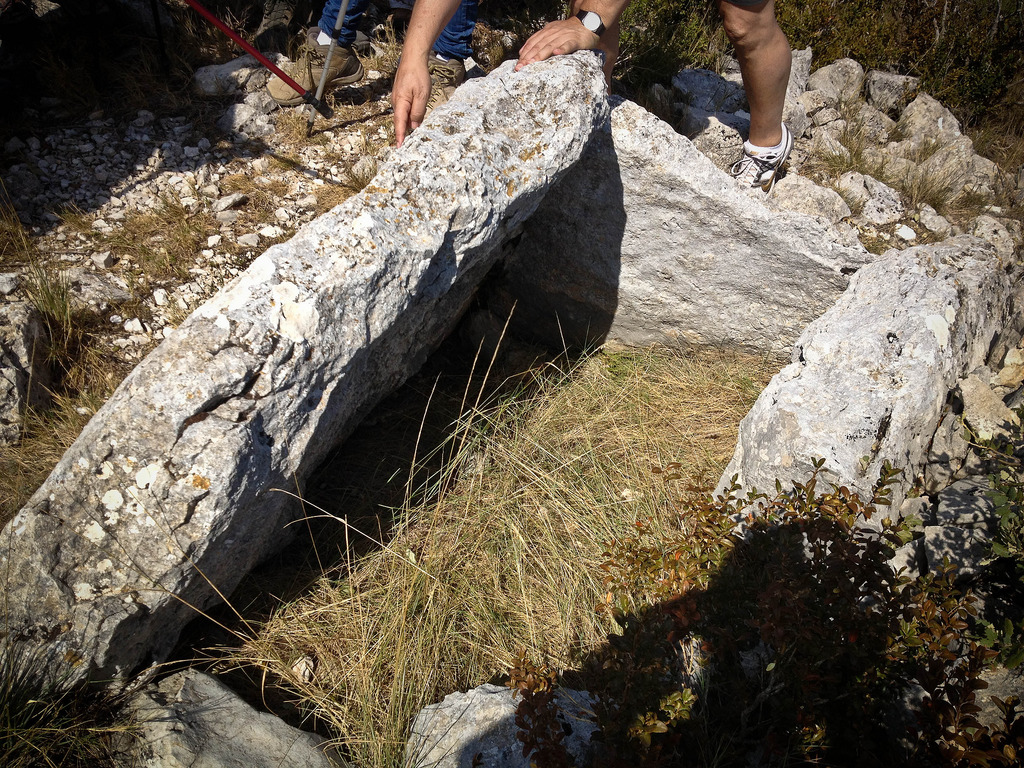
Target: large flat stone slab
point(165, 500)
point(869, 379)
point(646, 241)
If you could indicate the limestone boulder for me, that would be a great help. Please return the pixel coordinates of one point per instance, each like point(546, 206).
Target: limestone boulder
point(24, 374)
point(889, 92)
point(707, 91)
point(800, 194)
point(926, 119)
point(478, 728)
point(240, 75)
point(646, 241)
point(870, 378)
point(839, 82)
point(192, 720)
point(167, 498)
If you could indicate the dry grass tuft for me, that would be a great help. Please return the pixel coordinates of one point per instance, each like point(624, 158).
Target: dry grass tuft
point(46, 436)
point(16, 246)
point(163, 242)
point(499, 552)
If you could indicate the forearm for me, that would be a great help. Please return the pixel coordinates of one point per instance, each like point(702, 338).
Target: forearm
point(610, 11)
point(429, 18)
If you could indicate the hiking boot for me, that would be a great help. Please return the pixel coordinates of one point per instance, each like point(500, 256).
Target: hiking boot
point(345, 68)
point(763, 169)
point(445, 77)
point(272, 34)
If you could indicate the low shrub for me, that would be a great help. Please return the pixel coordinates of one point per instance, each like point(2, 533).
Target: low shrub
point(794, 641)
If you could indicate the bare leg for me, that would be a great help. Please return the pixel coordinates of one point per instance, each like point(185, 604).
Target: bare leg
point(765, 61)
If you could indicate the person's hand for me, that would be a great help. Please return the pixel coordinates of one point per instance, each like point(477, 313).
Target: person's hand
point(409, 96)
point(555, 39)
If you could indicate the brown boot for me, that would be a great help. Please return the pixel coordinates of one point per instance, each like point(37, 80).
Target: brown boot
point(345, 68)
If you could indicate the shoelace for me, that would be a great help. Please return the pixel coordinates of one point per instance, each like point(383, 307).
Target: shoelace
point(746, 166)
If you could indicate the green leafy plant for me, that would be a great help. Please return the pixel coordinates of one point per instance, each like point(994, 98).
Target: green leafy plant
point(791, 641)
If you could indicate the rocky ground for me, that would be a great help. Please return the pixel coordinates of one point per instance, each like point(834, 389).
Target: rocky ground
point(148, 219)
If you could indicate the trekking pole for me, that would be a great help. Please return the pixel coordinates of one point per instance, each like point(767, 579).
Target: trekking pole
point(313, 101)
point(327, 65)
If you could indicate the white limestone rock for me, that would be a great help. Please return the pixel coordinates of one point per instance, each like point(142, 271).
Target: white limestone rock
point(984, 411)
point(192, 719)
point(925, 118)
point(707, 91)
point(794, 114)
point(24, 375)
point(801, 195)
point(889, 92)
point(991, 230)
point(646, 241)
point(229, 78)
point(261, 382)
point(719, 136)
point(964, 547)
point(933, 222)
point(870, 378)
point(478, 728)
point(839, 82)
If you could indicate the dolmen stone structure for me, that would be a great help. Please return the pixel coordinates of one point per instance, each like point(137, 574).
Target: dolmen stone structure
point(166, 499)
point(597, 222)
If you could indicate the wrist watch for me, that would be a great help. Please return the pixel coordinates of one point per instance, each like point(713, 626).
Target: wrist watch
point(591, 21)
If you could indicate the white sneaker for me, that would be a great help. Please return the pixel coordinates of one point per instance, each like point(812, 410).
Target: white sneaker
point(762, 169)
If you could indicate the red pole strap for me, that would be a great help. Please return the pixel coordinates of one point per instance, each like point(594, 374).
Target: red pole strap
point(308, 97)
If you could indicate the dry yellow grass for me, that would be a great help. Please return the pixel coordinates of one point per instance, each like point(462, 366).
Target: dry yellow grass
point(500, 551)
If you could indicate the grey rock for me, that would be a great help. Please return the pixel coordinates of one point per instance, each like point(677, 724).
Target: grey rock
point(947, 453)
point(870, 378)
point(815, 102)
point(192, 720)
point(1011, 374)
point(925, 118)
point(966, 503)
point(873, 125)
point(226, 79)
point(96, 290)
point(826, 115)
point(874, 201)
point(889, 92)
point(1002, 683)
point(719, 136)
point(966, 548)
point(708, 91)
point(839, 82)
point(478, 728)
point(261, 101)
point(906, 233)
point(165, 500)
point(646, 241)
point(9, 282)
point(246, 119)
point(800, 194)
point(103, 260)
point(24, 376)
point(250, 240)
point(933, 222)
point(984, 410)
point(828, 141)
point(234, 200)
point(794, 114)
point(991, 230)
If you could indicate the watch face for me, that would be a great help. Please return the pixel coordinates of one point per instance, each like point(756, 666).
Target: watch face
point(590, 20)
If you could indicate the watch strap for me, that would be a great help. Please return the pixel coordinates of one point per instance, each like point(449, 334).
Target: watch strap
point(592, 21)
